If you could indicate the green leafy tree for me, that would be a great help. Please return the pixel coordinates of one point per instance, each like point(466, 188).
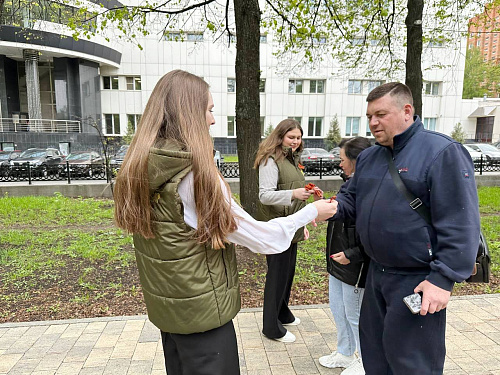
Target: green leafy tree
point(480, 77)
point(458, 133)
point(127, 138)
point(333, 137)
point(269, 130)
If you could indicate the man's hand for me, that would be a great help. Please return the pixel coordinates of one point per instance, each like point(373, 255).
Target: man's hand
point(434, 299)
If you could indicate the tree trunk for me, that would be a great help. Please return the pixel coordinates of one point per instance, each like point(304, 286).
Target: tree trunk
point(247, 17)
point(414, 52)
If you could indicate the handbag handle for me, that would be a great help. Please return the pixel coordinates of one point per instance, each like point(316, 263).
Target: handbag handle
point(415, 202)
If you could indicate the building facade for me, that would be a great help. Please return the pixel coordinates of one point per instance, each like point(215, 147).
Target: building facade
point(84, 84)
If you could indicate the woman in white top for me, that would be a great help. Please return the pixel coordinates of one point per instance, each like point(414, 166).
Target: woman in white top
point(171, 196)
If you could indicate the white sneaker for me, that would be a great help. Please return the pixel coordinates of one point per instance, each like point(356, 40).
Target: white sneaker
point(296, 322)
point(356, 368)
point(336, 360)
point(289, 337)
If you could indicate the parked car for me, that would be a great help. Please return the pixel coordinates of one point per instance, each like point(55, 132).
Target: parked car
point(496, 144)
point(117, 159)
point(491, 152)
point(314, 158)
point(475, 155)
point(82, 164)
point(335, 151)
point(43, 162)
point(5, 158)
point(218, 158)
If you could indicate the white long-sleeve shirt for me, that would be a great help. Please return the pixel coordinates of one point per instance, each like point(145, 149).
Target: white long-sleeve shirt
point(270, 237)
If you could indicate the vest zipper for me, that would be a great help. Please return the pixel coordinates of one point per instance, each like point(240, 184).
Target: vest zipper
point(360, 272)
point(225, 267)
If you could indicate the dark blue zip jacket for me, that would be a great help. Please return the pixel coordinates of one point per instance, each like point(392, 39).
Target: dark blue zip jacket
point(440, 172)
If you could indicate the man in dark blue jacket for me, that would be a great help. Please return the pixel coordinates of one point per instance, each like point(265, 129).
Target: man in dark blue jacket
point(408, 255)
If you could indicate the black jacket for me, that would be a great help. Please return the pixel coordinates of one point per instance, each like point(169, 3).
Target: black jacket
point(342, 236)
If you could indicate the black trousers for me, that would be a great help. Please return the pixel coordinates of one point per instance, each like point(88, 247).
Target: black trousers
point(279, 278)
point(393, 340)
point(214, 352)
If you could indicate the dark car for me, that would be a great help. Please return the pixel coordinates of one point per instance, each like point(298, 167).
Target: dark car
point(5, 158)
point(83, 164)
point(314, 159)
point(43, 162)
point(117, 159)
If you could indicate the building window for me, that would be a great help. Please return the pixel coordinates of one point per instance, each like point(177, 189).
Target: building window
point(354, 86)
point(357, 41)
point(133, 121)
point(352, 126)
point(262, 85)
point(262, 122)
point(314, 126)
point(263, 38)
point(430, 123)
point(298, 119)
point(176, 36)
point(231, 128)
point(194, 37)
point(231, 85)
point(110, 82)
point(317, 86)
point(112, 123)
point(319, 40)
point(431, 88)
point(133, 83)
point(295, 86)
point(435, 43)
point(231, 38)
point(372, 84)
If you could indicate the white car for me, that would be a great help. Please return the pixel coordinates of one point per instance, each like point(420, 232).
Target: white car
point(491, 153)
point(475, 155)
point(218, 158)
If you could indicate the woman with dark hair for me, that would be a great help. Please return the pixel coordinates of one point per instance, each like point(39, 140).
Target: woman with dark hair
point(347, 265)
point(171, 196)
point(281, 193)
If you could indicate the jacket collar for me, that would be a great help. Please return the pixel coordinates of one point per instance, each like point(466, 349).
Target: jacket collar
point(292, 156)
point(400, 140)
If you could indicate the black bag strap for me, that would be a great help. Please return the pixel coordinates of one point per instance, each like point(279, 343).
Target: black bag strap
point(415, 202)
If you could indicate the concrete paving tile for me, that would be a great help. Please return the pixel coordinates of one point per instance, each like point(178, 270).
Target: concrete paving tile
point(117, 366)
point(256, 359)
point(50, 362)
point(22, 366)
point(107, 340)
point(56, 329)
point(140, 368)
point(124, 349)
point(304, 365)
point(114, 327)
point(283, 370)
point(45, 372)
point(144, 351)
point(297, 350)
point(74, 330)
point(324, 326)
point(95, 327)
point(69, 368)
point(87, 339)
point(98, 357)
point(259, 372)
point(278, 358)
point(78, 354)
point(91, 371)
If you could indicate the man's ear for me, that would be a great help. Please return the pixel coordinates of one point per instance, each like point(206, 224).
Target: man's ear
point(408, 109)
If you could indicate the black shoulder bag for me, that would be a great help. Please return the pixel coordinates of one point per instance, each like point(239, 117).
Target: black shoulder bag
point(481, 272)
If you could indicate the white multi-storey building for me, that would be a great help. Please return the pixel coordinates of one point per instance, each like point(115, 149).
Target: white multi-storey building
point(108, 84)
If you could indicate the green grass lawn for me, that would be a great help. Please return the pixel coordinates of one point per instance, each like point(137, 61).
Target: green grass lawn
point(230, 158)
point(72, 245)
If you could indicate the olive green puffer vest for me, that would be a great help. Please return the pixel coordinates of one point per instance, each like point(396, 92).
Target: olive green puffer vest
point(290, 177)
point(188, 287)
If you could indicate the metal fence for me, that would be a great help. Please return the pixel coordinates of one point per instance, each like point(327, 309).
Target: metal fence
point(39, 125)
point(70, 172)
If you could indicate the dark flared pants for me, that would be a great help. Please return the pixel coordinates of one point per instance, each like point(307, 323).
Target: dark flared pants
point(279, 279)
point(214, 352)
point(393, 340)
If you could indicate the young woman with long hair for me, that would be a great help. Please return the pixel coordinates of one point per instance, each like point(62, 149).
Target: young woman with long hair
point(171, 196)
point(282, 192)
point(347, 265)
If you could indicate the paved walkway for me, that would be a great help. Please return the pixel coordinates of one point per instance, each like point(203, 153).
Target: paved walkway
point(130, 345)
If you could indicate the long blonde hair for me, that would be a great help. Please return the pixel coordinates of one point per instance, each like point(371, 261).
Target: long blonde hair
point(272, 145)
point(176, 110)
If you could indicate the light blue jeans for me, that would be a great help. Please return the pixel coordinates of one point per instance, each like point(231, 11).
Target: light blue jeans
point(345, 303)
